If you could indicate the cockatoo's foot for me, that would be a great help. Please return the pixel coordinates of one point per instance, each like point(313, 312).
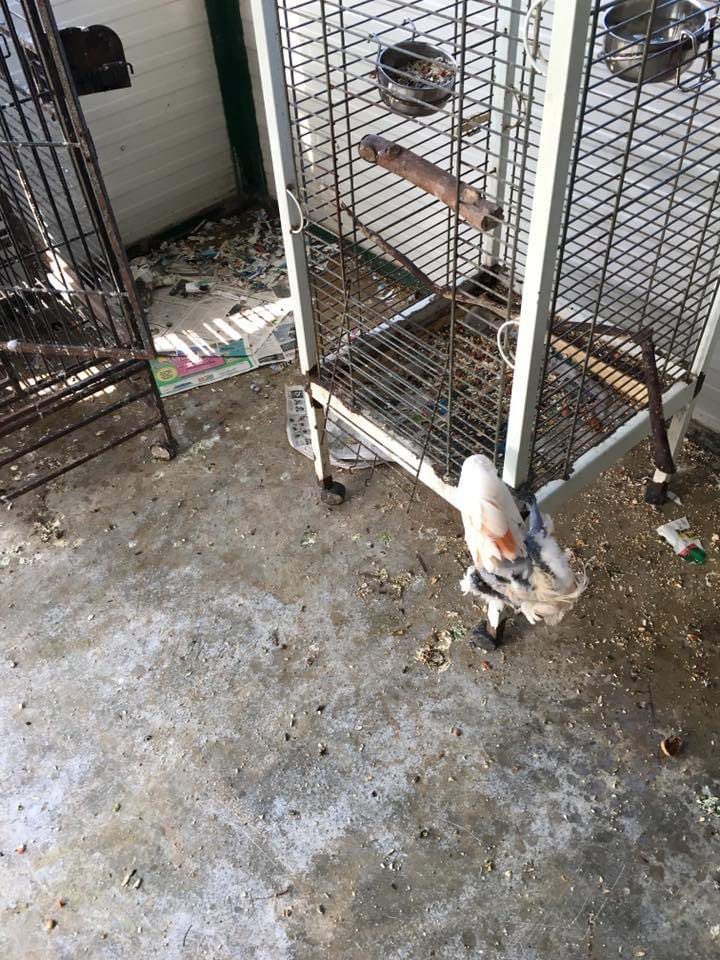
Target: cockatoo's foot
point(484, 637)
point(656, 492)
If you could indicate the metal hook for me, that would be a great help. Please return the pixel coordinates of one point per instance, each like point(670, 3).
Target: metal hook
point(376, 38)
point(303, 220)
point(706, 72)
point(410, 24)
point(537, 61)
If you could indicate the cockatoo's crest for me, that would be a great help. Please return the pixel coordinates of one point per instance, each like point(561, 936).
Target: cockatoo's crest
point(492, 521)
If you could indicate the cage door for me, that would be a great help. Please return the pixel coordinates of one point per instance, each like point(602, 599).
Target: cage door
point(65, 283)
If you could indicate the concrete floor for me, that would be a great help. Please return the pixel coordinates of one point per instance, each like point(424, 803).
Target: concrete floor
point(210, 683)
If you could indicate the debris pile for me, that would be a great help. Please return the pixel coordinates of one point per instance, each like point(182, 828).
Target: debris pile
point(217, 301)
point(245, 252)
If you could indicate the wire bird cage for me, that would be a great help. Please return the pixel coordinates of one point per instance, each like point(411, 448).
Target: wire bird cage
point(487, 180)
point(71, 326)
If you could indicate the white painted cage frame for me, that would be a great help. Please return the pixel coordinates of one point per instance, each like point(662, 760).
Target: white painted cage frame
point(574, 58)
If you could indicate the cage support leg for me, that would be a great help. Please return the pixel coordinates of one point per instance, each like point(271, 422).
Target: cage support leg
point(656, 489)
point(171, 445)
point(489, 635)
point(331, 492)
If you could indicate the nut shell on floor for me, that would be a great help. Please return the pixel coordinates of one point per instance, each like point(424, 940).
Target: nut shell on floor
point(672, 746)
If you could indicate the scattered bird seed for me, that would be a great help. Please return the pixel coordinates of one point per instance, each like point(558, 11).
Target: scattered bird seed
point(709, 801)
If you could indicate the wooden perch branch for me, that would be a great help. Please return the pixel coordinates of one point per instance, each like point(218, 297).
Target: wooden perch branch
point(634, 389)
point(662, 453)
point(661, 445)
point(448, 293)
point(482, 214)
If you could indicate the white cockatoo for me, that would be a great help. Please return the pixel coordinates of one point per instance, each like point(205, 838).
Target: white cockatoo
point(514, 564)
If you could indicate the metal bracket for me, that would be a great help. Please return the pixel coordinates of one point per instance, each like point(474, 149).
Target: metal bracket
point(303, 219)
point(410, 24)
point(707, 72)
point(699, 383)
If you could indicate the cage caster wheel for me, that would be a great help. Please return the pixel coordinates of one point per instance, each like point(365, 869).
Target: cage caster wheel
point(164, 451)
point(333, 494)
point(656, 492)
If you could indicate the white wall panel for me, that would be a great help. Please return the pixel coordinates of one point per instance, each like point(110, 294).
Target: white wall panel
point(162, 143)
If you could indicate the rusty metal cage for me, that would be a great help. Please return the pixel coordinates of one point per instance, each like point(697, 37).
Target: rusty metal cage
point(73, 340)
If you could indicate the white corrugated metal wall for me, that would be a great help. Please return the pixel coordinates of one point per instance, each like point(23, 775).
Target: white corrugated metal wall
point(162, 143)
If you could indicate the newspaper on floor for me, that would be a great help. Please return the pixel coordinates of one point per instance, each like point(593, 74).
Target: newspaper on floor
point(347, 450)
point(218, 335)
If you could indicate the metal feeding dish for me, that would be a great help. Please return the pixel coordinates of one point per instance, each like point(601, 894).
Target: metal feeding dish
point(675, 33)
point(415, 78)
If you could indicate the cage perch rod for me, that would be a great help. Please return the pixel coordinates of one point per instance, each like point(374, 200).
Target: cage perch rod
point(483, 214)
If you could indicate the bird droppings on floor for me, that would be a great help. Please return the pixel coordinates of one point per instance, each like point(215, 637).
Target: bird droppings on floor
point(199, 700)
point(434, 653)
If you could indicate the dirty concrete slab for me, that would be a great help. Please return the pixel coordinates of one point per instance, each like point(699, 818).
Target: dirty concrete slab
point(220, 740)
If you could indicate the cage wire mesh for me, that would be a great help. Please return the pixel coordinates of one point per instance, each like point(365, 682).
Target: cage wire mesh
point(71, 327)
point(409, 298)
point(382, 333)
point(639, 246)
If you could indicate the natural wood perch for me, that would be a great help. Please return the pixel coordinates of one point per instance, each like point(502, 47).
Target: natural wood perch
point(643, 339)
point(482, 214)
point(449, 294)
point(634, 389)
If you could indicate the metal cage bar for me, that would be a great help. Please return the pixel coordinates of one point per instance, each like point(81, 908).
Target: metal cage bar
point(72, 330)
point(567, 53)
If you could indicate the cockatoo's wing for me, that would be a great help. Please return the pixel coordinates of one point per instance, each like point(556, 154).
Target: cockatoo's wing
point(493, 525)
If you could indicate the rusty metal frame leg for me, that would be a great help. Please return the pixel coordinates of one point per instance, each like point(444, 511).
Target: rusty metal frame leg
point(656, 490)
point(170, 441)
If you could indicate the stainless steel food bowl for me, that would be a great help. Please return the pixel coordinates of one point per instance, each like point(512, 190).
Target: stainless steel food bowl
point(398, 93)
point(677, 30)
